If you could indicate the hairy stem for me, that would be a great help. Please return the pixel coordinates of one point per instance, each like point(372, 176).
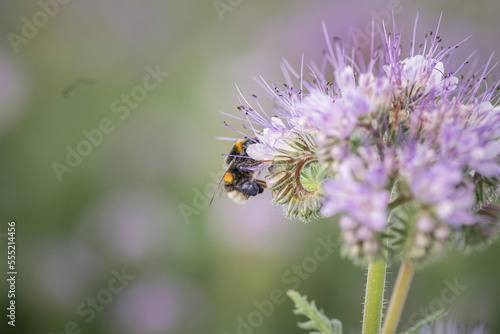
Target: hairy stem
point(374, 297)
point(398, 298)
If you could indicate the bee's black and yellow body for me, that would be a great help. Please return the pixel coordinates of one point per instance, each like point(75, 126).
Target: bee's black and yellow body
point(239, 180)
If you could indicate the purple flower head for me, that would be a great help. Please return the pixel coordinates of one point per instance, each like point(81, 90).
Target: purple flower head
point(333, 119)
point(361, 203)
point(377, 89)
point(380, 134)
point(359, 190)
point(273, 138)
point(441, 187)
point(418, 73)
point(470, 146)
point(434, 183)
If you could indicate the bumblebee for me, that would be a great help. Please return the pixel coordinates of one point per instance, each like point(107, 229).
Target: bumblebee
point(239, 180)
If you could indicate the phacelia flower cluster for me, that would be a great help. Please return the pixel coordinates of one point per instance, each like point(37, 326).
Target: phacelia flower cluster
point(404, 149)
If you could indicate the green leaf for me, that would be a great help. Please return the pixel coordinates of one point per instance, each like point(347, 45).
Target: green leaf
point(426, 322)
point(318, 323)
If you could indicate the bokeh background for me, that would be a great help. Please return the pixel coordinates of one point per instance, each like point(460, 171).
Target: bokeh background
point(137, 203)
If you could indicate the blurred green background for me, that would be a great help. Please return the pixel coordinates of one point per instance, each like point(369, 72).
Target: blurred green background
point(135, 203)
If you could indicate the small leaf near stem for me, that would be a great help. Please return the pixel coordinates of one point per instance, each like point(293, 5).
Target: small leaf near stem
point(318, 321)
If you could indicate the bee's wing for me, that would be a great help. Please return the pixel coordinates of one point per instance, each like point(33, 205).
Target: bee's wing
point(231, 164)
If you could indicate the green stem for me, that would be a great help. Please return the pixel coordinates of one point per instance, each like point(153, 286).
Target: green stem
point(374, 297)
point(398, 298)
